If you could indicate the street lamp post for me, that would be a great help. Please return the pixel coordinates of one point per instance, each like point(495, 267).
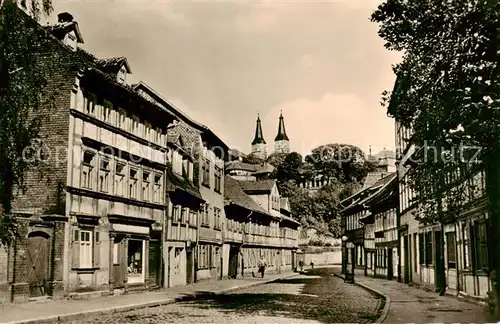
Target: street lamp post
point(344, 256)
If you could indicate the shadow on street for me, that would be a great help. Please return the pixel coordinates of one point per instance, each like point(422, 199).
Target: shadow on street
point(317, 295)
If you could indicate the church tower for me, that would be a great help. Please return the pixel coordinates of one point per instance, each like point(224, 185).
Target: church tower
point(259, 145)
point(281, 142)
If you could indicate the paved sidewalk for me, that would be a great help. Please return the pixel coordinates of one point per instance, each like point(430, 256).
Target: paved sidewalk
point(52, 310)
point(413, 305)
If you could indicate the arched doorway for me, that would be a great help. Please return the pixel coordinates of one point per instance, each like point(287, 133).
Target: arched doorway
point(38, 263)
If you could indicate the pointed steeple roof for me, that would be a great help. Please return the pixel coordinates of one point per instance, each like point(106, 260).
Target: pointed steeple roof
point(259, 137)
point(281, 130)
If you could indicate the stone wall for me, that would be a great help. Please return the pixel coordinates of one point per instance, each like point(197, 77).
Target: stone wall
point(322, 258)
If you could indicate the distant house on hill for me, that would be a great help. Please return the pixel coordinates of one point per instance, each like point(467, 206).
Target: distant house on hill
point(246, 171)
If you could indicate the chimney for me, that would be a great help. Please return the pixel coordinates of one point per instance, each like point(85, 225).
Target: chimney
point(64, 17)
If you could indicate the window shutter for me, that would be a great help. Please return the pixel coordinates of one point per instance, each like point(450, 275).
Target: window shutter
point(97, 250)
point(75, 250)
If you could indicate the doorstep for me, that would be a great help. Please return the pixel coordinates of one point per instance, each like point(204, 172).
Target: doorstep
point(88, 294)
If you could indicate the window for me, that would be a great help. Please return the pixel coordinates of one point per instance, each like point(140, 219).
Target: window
point(185, 168)
point(87, 170)
point(207, 256)
point(147, 131)
point(176, 214)
point(85, 249)
point(205, 217)
point(90, 103)
point(190, 171)
point(177, 162)
point(119, 179)
point(480, 247)
point(193, 218)
point(451, 251)
point(135, 261)
point(218, 179)
point(121, 119)
point(106, 111)
point(428, 248)
point(466, 245)
point(104, 175)
point(145, 186)
point(205, 169)
point(275, 202)
point(217, 218)
point(132, 184)
point(158, 136)
point(157, 189)
point(122, 74)
point(421, 248)
point(184, 215)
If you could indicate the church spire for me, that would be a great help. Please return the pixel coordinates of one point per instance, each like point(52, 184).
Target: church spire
point(281, 130)
point(259, 137)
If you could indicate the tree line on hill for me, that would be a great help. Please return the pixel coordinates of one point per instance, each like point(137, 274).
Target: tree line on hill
point(343, 166)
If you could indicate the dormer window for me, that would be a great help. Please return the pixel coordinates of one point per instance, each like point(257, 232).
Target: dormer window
point(122, 74)
point(71, 40)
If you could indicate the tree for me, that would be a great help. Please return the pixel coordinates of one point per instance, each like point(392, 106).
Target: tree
point(344, 162)
point(22, 81)
point(300, 202)
point(252, 159)
point(276, 159)
point(448, 93)
point(290, 168)
point(326, 204)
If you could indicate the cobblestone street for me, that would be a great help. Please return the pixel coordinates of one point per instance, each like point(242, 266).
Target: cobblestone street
point(314, 298)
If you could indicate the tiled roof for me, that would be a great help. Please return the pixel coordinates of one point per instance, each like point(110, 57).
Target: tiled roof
point(62, 28)
point(205, 132)
point(113, 64)
point(387, 178)
point(379, 187)
point(237, 165)
point(234, 193)
point(372, 178)
point(266, 168)
point(256, 187)
point(236, 153)
point(290, 219)
point(176, 182)
point(373, 181)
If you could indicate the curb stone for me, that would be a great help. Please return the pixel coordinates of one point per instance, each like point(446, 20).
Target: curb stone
point(385, 309)
point(136, 306)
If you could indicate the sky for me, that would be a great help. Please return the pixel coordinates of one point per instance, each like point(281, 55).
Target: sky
point(224, 62)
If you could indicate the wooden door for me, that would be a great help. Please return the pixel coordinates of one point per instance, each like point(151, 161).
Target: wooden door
point(390, 264)
point(154, 263)
point(38, 263)
point(233, 262)
point(189, 266)
point(119, 262)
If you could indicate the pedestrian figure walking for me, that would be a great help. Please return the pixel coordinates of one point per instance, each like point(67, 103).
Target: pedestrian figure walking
point(312, 264)
point(301, 265)
point(262, 266)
